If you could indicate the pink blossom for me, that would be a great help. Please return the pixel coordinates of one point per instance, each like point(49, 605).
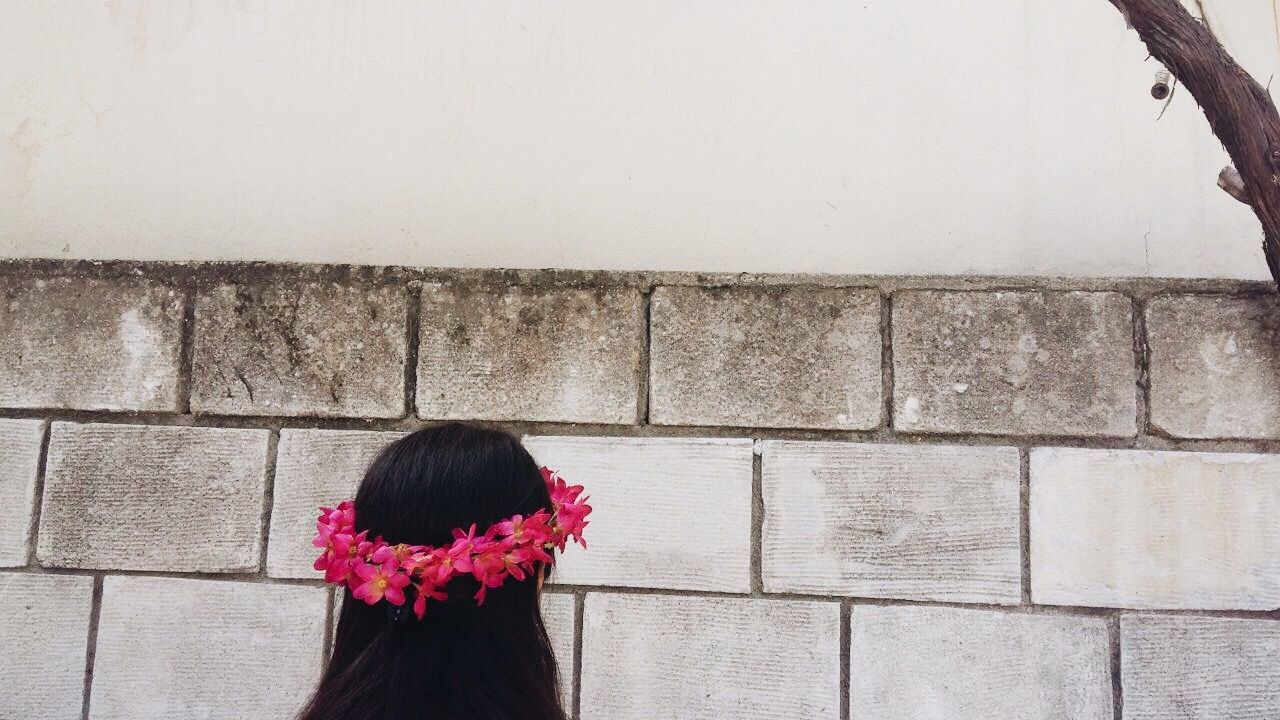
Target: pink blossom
point(379, 581)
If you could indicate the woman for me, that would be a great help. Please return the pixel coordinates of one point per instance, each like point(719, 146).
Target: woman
point(443, 554)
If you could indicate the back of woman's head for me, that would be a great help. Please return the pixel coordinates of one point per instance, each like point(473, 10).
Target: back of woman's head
point(461, 660)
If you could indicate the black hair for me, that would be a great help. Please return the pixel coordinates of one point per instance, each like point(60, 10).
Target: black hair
point(461, 661)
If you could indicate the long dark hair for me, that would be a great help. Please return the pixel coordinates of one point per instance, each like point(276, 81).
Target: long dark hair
point(461, 661)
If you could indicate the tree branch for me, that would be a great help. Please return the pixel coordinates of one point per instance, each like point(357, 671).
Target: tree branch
point(1239, 110)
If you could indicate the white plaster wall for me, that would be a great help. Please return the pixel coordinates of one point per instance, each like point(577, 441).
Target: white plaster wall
point(876, 136)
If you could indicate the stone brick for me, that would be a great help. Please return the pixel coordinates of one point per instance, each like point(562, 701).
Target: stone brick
point(766, 357)
point(300, 347)
point(909, 663)
point(44, 631)
point(1215, 366)
point(145, 497)
point(1017, 363)
point(901, 521)
point(668, 512)
point(558, 614)
point(1140, 529)
point(170, 648)
point(19, 464)
point(517, 353)
point(89, 344)
point(1199, 668)
point(702, 658)
point(313, 468)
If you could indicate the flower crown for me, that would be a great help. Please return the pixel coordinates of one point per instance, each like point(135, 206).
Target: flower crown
point(376, 570)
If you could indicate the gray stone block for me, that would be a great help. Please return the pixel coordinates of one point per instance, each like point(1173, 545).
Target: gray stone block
point(900, 521)
point(558, 614)
point(89, 344)
point(536, 354)
point(920, 663)
point(44, 633)
point(1155, 530)
point(1199, 668)
point(766, 357)
point(1215, 366)
point(289, 346)
point(313, 468)
point(170, 648)
point(135, 497)
point(702, 658)
point(667, 512)
point(19, 465)
point(1017, 363)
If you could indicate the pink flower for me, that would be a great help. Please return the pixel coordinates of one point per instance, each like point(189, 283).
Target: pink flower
point(379, 581)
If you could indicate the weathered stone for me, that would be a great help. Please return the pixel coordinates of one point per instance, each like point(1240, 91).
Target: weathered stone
point(558, 615)
point(929, 662)
point(766, 357)
point(313, 468)
point(19, 464)
point(701, 658)
point(89, 344)
point(517, 353)
point(668, 512)
point(146, 497)
point(902, 521)
point(300, 347)
point(1215, 366)
point(1139, 529)
point(1199, 668)
point(209, 649)
point(44, 630)
point(1017, 363)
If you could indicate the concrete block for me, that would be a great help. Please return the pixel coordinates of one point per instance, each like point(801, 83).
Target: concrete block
point(170, 648)
point(1215, 366)
point(559, 614)
point(89, 344)
point(1140, 529)
point(702, 658)
point(1016, 363)
point(517, 353)
point(920, 663)
point(44, 631)
point(766, 357)
point(147, 497)
point(916, 522)
point(667, 512)
point(19, 466)
point(1199, 668)
point(300, 347)
point(313, 468)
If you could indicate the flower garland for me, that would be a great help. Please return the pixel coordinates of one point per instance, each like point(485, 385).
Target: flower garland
point(376, 570)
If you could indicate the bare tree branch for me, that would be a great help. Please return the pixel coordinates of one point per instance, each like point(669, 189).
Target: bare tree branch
point(1239, 110)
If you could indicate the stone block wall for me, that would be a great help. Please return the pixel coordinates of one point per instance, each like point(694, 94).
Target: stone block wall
point(816, 497)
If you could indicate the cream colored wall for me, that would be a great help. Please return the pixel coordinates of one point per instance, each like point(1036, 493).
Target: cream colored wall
point(877, 136)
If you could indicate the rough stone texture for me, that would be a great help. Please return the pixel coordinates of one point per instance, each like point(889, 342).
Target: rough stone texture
point(313, 468)
point(766, 357)
point(44, 633)
point(132, 497)
point(1199, 668)
point(918, 663)
point(901, 521)
point(518, 353)
point(1215, 366)
point(300, 347)
point(558, 614)
point(654, 656)
point(19, 464)
point(1018, 363)
point(667, 512)
point(89, 344)
point(1139, 529)
point(206, 649)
